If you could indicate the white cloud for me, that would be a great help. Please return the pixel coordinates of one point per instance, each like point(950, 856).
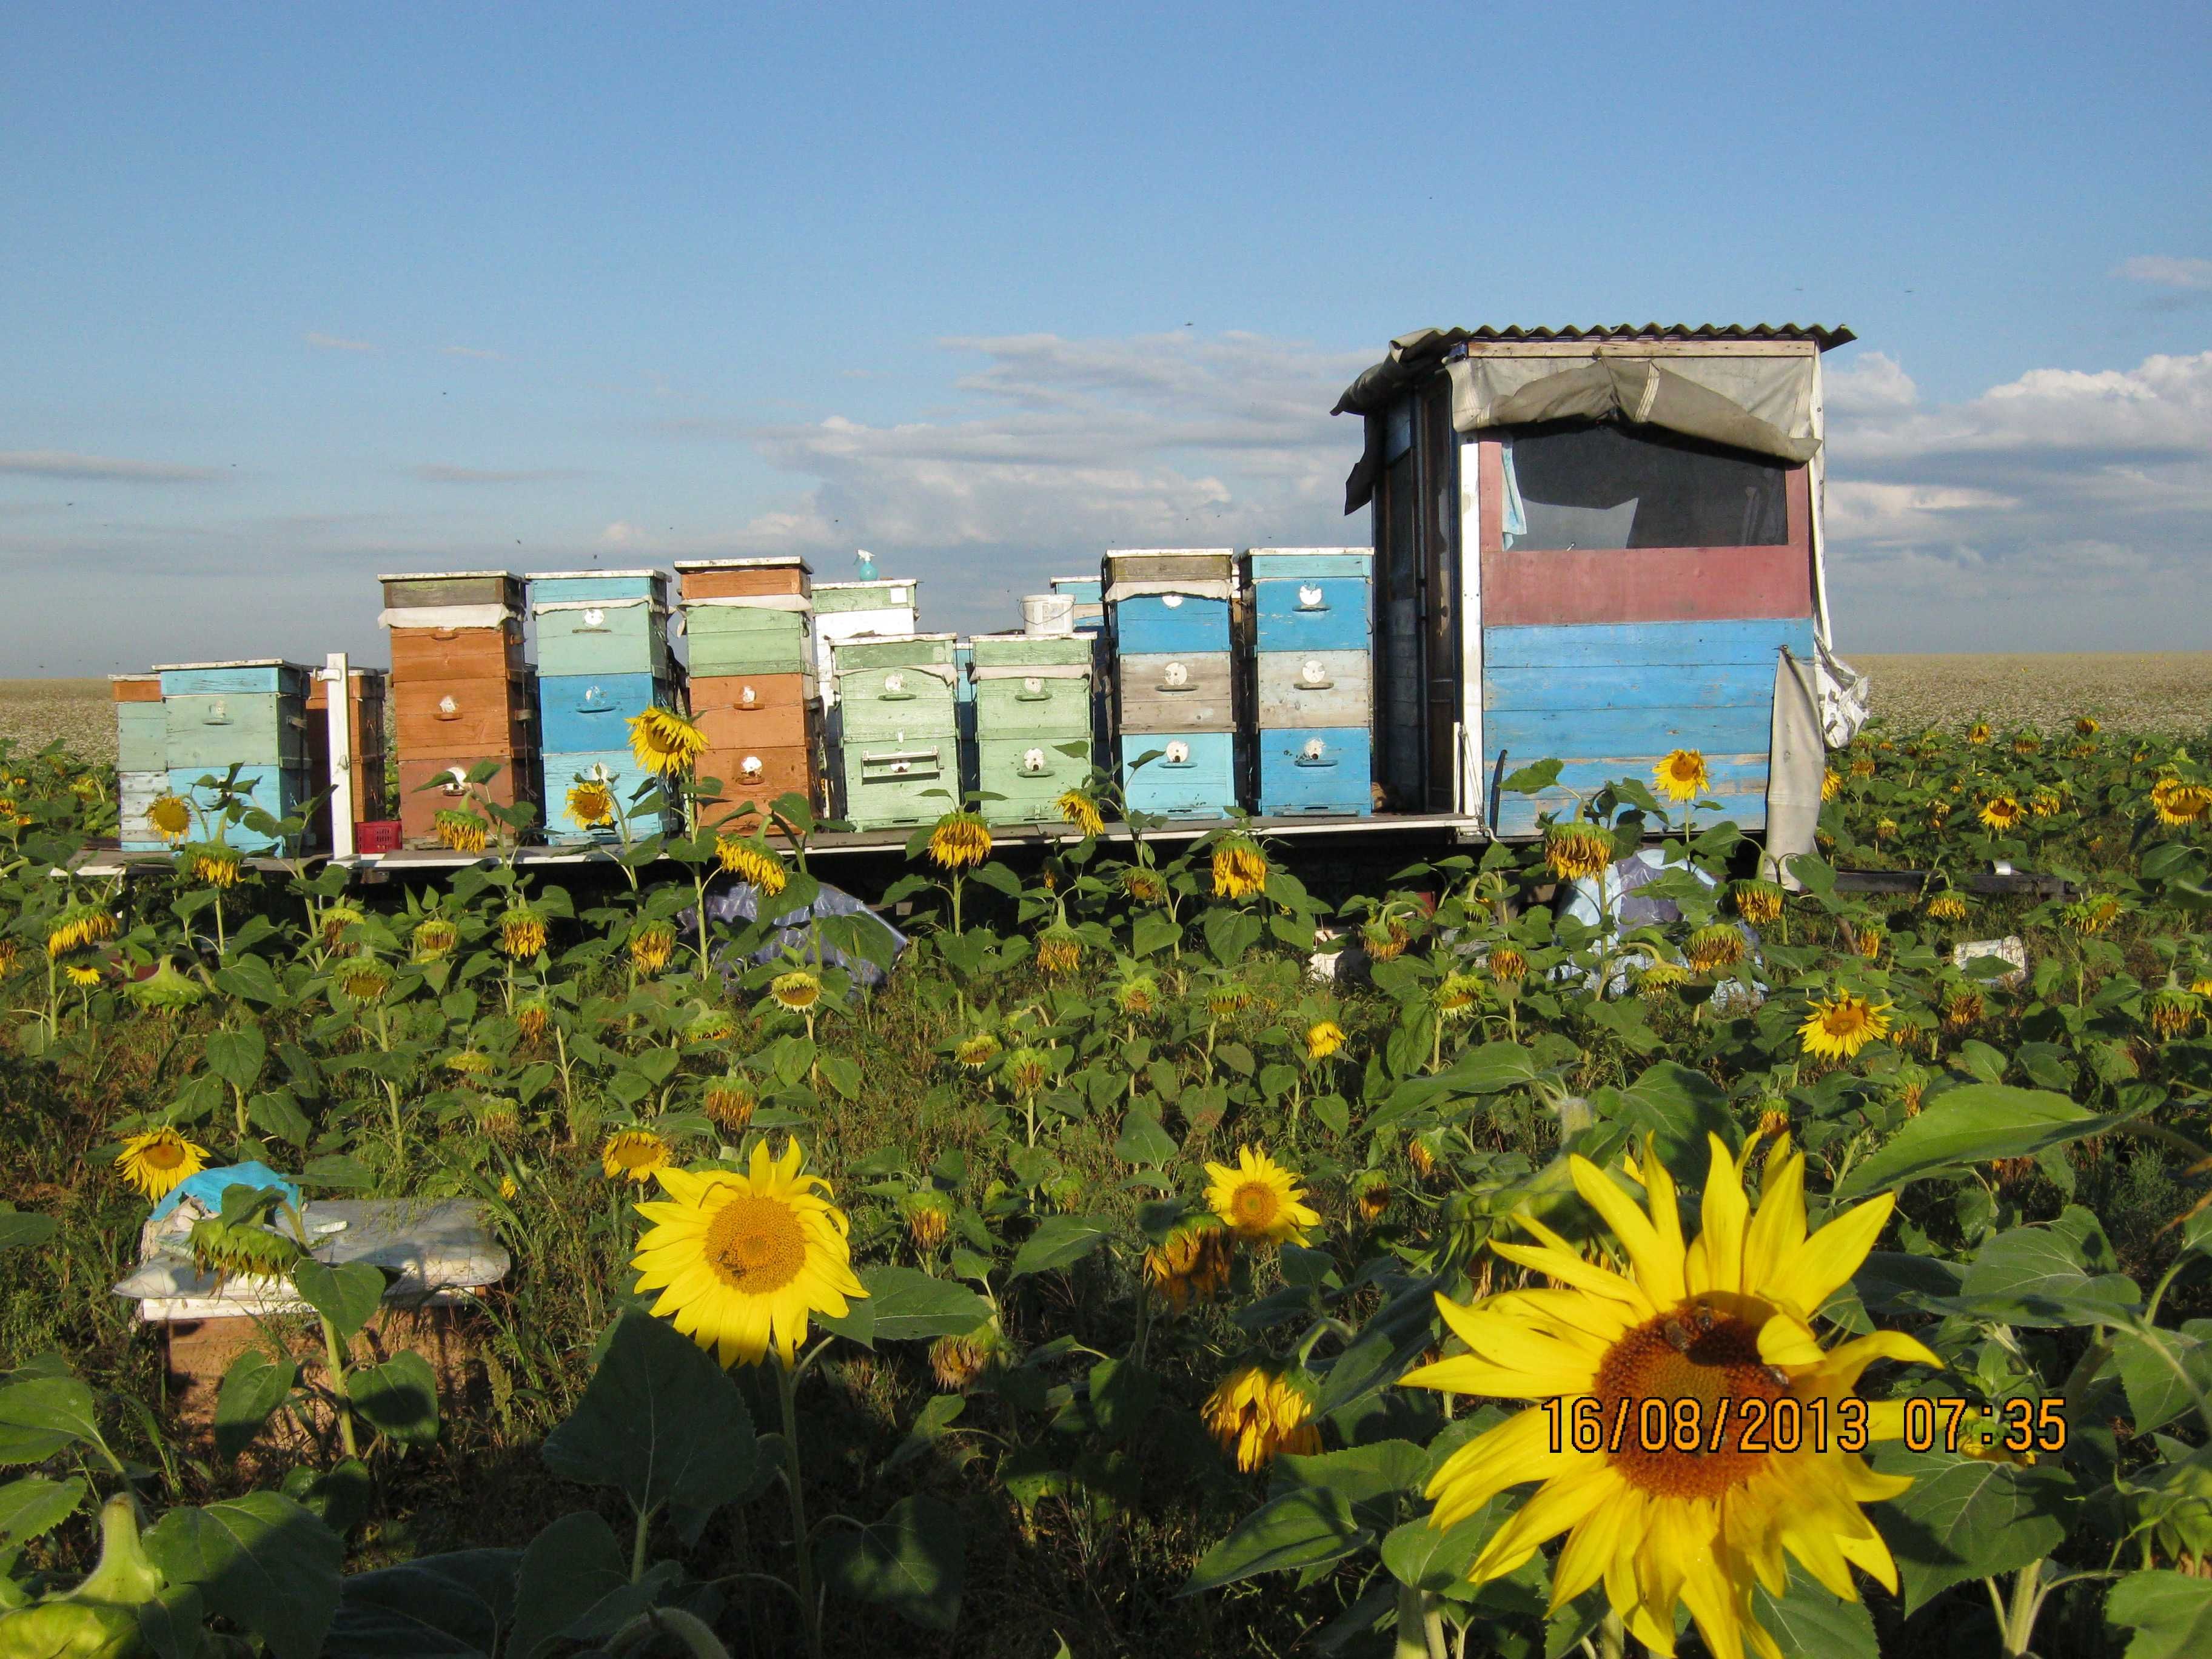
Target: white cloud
point(2163, 271)
point(106, 469)
point(1873, 383)
point(332, 343)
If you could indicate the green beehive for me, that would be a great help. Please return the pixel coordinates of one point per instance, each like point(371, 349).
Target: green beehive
point(1033, 723)
point(743, 639)
point(898, 754)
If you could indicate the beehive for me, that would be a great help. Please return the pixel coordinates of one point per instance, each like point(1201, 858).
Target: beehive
point(849, 610)
point(460, 692)
point(1033, 723)
point(602, 661)
point(1169, 621)
point(365, 703)
point(753, 690)
point(249, 714)
point(141, 758)
point(898, 759)
point(1085, 590)
point(1312, 674)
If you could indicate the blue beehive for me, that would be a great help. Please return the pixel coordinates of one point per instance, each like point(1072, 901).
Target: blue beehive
point(603, 659)
point(1312, 678)
point(251, 715)
point(1168, 619)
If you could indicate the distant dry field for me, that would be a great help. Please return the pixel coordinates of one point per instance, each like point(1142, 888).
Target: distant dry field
point(2152, 691)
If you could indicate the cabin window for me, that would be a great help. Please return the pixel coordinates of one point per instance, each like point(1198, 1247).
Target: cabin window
point(1601, 485)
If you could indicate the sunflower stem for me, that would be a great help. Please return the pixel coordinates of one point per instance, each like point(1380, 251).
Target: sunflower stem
point(334, 1360)
point(1421, 1626)
point(787, 1392)
point(1611, 1636)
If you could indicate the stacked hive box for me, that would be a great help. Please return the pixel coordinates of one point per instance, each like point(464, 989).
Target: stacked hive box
point(899, 760)
point(250, 715)
point(602, 661)
point(1083, 591)
point(1090, 620)
point(1033, 706)
point(461, 693)
point(852, 610)
point(1313, 696)
point(1168, 618)
point(753, 687)
point(141, 758)
point(365, 696)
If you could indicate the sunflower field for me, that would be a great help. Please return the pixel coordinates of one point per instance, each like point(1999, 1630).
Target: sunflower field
point(1171, 1250)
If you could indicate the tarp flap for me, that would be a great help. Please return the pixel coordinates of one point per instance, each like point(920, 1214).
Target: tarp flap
point(1796, 764)
point(1700, 398)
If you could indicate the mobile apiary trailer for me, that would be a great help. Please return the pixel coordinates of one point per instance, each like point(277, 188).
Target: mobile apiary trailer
point(1596, 545)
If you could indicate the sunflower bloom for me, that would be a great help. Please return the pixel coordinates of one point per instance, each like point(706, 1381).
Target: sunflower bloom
point(78, 925)
point(156, 1163)
point(796, 991)
point(961, 840)
point(170, 817)
point(1577, 852)
point(83, 976)
point(1831, 785)
point(731, 1102)
point(1506, 964)
point(1240, 868)
point(1978, 734)
point(651, 945)
point(1837, 1027)
point(633, 1155)
point(2172, 1011)
point(2178, 804)
point(1758, 903)
point(976, 1052)
point(1680, 775)
point(2001, 812)
point(215, 866)
point(1323, 1038)
point(1457, 996)
point(1058, 951)
point(1370, 1194)
point(1947, 906)
point(2087, 727)
point(664, 742)
point(435, 937)
point(1722, 1321)
point(531, 1016)
point(1190, 1267)
point(1714, 947)
point(742, 1262)
point(1258, 1412)
point(1144, 884)
point(751, 859)
point(1260, 1200)
point(521, 933)
point(591, 804)
point(459, 830)
point(1080, 808)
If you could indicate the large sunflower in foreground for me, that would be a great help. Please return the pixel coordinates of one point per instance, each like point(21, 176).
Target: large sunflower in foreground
point(1259, 1198)
point(663, 742)
point(741, 1262)
point(1724, 1318)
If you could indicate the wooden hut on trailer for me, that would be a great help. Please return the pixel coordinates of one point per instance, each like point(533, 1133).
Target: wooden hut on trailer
point(1597, 545)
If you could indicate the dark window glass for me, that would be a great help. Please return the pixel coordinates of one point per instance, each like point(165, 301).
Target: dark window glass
point(1603, 485)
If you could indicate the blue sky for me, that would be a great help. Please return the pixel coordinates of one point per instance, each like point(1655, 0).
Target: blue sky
point(293, 296)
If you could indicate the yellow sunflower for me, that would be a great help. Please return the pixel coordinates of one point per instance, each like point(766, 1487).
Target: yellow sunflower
point(79, 924)
point(1059, 949)
point(83, 976)
point(1831, 784)
point(216, 866)
point(976, 1052)
point(751, 859)
point(1240, 868)
point(731, 1101)
point(651, 945)
point(633, 1155)
point(1978, 734)
point(2172, 1011)
point(591, 804)
point(665, 743)
point(1758, 902)
point(2001, 812)
point(435, 937)
point(1259, 1413)
point(521, 933)
point(2177, 803)
point(1947, 906)
point(1578, 851)
point(1080, 808)
point(156, 1162)
point(741, 1262)
point(960, 841)
point(797, 990)
point(2087, 727)
point(461, 832)
point(170, 817)
point(1837, 1027)
point(1506, 964)
point(1723, 1322)
point(1719, 945)
point(1259, 1198)
point(1681, 775)
point(1191, 1264)
point(1323, 1038)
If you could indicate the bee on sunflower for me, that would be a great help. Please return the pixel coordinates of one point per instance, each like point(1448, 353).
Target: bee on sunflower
point(1836, 1026)
point(665, 743)
point(1681, 775)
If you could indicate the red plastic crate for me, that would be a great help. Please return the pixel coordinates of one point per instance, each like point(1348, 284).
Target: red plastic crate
point(377, 835)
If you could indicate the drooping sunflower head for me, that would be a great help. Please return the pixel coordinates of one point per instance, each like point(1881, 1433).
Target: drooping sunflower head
point(796, 991)
point(1506, 965)
point(1080, 808)
point(1963, 1008)
point(2091, 914)
point(664, 742)
point(78, 925)
point(652, 943)
point(521, 933)
point(1423, 1153)
point(1887, 829)
point(500, 1119)
point(750, 858)
point(1718, 945)
point(976, 1052)
point(1978, 734)
point(336, 918)
point(961, 840)
point(2178, 804)
point(1863, 765)
point(1655, 980)
point(1680, 775)
point(743, 1261)
point(435, 937)
point(1137, 995)
point(214, 865)
point(1758, 902)
point(2026, 743)
point(362, 976)
point(1026, 1071)
point(460, 830)
point(1836, 1026)
point(154, 1162)
point(2172, 1011)
point(591, 804)
point(2087, 727)
point(1948, 905)
point(532, 1014)
point(633, 1155)
point(469, 1063)
point(2001, 812)
point(1190, 1267)
point(1871, 938)
point(1144, 883)
point(170, 817)
point(1240, 868)
point(1323, 1038)
point(1708, 1325)
point(83, 976)
point(1258, 1200)
point(731, 1101)
point(1577, 852)
point(928, 1216)
point(1831, 784)
point(1058, 951)
point(958, 1363)
point(1457, 995)
point(2047, 802)
point(1224, 999)
point(1258, 1412)
point(1370, 1194)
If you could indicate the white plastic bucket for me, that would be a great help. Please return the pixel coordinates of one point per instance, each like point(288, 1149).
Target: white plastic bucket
point(1048, 616)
